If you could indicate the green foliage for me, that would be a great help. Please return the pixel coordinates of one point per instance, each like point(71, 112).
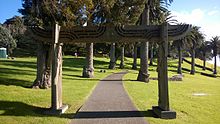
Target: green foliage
point(204, 52)
point(215, 43)
point(6, 40)
point(47, 12)
point(16, 27)
point(195, 38)
point(19, 32)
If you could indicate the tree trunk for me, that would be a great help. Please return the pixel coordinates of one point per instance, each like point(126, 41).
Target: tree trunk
point(143, 72)
point(43, 79)
point(122, 57)
point(88, 69)
point(151, 54)
point(204, 61)
point(215, 66)
point(134, 65)
point(193, 61)
point(179, 71)
point(112, 57)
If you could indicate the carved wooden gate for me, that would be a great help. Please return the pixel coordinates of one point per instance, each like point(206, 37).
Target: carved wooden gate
point(160, 34)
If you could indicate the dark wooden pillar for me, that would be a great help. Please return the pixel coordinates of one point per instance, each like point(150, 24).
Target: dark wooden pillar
point(57, 106)
point(163, 109)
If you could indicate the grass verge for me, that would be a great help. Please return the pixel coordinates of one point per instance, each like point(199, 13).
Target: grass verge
point(190, 109)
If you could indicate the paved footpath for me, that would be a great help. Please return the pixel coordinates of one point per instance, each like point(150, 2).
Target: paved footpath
point(109, 104)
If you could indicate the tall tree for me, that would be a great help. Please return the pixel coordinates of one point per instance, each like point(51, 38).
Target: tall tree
point(204, 52)
point(88, 69)
point(194, 40)
point(122, 57)
point(46, 13)
point(215, 41)
point(6, 40)
point(134, 65)
point(151, 53)
point(143, 72)
point(112, 57)
point(179, 45)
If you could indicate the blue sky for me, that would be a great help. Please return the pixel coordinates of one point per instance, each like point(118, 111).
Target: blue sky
point(203, 13)
point(9, 8)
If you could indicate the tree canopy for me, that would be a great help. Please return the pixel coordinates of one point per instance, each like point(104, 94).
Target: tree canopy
point(6, 40)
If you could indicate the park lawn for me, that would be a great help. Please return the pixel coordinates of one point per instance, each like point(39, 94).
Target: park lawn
point(190, 109)
point(22, 105)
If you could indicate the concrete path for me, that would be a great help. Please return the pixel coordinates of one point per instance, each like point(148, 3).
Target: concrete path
point(109, 104)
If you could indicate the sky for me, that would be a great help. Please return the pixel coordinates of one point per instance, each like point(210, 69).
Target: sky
point(203, 13)
point(9, 8)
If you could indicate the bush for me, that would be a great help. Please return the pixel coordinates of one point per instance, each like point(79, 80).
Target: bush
point(6, 40)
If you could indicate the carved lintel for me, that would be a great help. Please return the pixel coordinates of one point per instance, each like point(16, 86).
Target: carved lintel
point(120, 33)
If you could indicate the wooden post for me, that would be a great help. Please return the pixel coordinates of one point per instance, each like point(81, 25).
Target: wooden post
point(163, 109)
point(56, 88)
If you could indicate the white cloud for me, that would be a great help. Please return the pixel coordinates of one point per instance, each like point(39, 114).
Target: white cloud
point(210, 30)
point(211, 13)
point(195, 16)
point(209, 25)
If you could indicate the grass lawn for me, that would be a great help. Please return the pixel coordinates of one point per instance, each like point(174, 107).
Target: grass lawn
point(190, 109)
point(20, 104)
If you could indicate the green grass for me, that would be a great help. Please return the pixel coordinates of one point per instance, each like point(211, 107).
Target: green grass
point(20, 104)
point(190, 109)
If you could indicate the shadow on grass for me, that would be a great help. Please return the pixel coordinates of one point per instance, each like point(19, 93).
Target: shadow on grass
point(12, 108)
point(15, 82)
point(80, 62)
point(19, 64)
point(82, 79)
point(15, 72)
point(113, 114)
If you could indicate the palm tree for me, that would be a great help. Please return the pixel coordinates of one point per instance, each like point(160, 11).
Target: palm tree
point(215, 41)
point(134, 65)
point(143, 72)
point(205, 50)
point(151, 53)
point(154, 12)
point(122, 57)
point(88, 69)
point(179, 45)
point(194, 40)
point(112, 57)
